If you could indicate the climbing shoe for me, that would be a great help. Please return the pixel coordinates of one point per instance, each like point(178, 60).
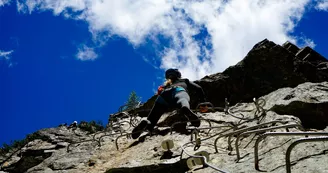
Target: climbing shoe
point(136, 132)
point(193, 118)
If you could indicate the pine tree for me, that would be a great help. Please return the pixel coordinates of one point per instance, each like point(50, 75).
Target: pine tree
point(133, 101)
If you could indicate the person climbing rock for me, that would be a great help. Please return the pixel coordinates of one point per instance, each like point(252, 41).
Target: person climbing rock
point(73, 125)
point(173, 94)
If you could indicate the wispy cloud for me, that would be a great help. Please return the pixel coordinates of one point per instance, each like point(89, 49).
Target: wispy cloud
point(322, 5)
point(57, 7)
point(231, 27)
point(86, 53)
point(4, 2)
point(304, 41)
point(6, 56)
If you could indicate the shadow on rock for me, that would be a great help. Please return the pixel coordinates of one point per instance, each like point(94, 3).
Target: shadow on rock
point(312, 115)
point(161, 132)
point(140, 140)
point(180, 166)
point(28, 161)
point(168, 155)
point(143, 138)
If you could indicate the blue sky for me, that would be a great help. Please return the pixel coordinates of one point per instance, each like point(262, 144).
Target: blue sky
point(69, 60)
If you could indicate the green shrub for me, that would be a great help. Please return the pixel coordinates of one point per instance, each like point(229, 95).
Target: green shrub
point(91, 126)
point(16, 144)
point(5, 148)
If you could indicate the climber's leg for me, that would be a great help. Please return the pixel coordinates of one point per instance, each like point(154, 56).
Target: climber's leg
point(183, 99)
point(159, 108)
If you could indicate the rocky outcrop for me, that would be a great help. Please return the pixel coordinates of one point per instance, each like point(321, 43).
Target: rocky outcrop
point(40, 151)
point(267, 67)
point(290, 84)
point(72, 150)
point(308, 101)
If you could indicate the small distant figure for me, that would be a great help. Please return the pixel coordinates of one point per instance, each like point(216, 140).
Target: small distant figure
point(73, 125)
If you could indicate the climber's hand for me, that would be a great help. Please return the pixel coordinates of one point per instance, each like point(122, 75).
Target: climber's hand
point(160, 89)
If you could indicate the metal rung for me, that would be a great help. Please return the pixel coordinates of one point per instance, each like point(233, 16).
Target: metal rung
point(262, 130)
point(256, 157)
point(302, 140)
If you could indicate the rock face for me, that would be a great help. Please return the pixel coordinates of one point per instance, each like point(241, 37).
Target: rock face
point(62, 152)
point(40, 153)
point(290, 99)
point(308, 102)
point(267, 67)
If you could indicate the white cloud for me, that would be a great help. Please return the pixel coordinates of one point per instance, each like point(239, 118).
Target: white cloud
point(233, 27)
point(309, 42)
point(322, 5)
point(86, 53)
point(4, 2)
point(6, 55)
point(57, 7)
point(304, 41)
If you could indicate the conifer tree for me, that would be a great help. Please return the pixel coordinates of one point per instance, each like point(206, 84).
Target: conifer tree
point(133, 101)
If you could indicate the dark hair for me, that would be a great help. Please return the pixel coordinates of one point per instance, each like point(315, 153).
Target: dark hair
point(172, 72)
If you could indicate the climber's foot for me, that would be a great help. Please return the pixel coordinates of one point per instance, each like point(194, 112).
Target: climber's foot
point(136, 132)
point(194, 120)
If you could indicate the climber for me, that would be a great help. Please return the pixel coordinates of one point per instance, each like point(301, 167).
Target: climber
point(173, 94)
point(73, 125)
